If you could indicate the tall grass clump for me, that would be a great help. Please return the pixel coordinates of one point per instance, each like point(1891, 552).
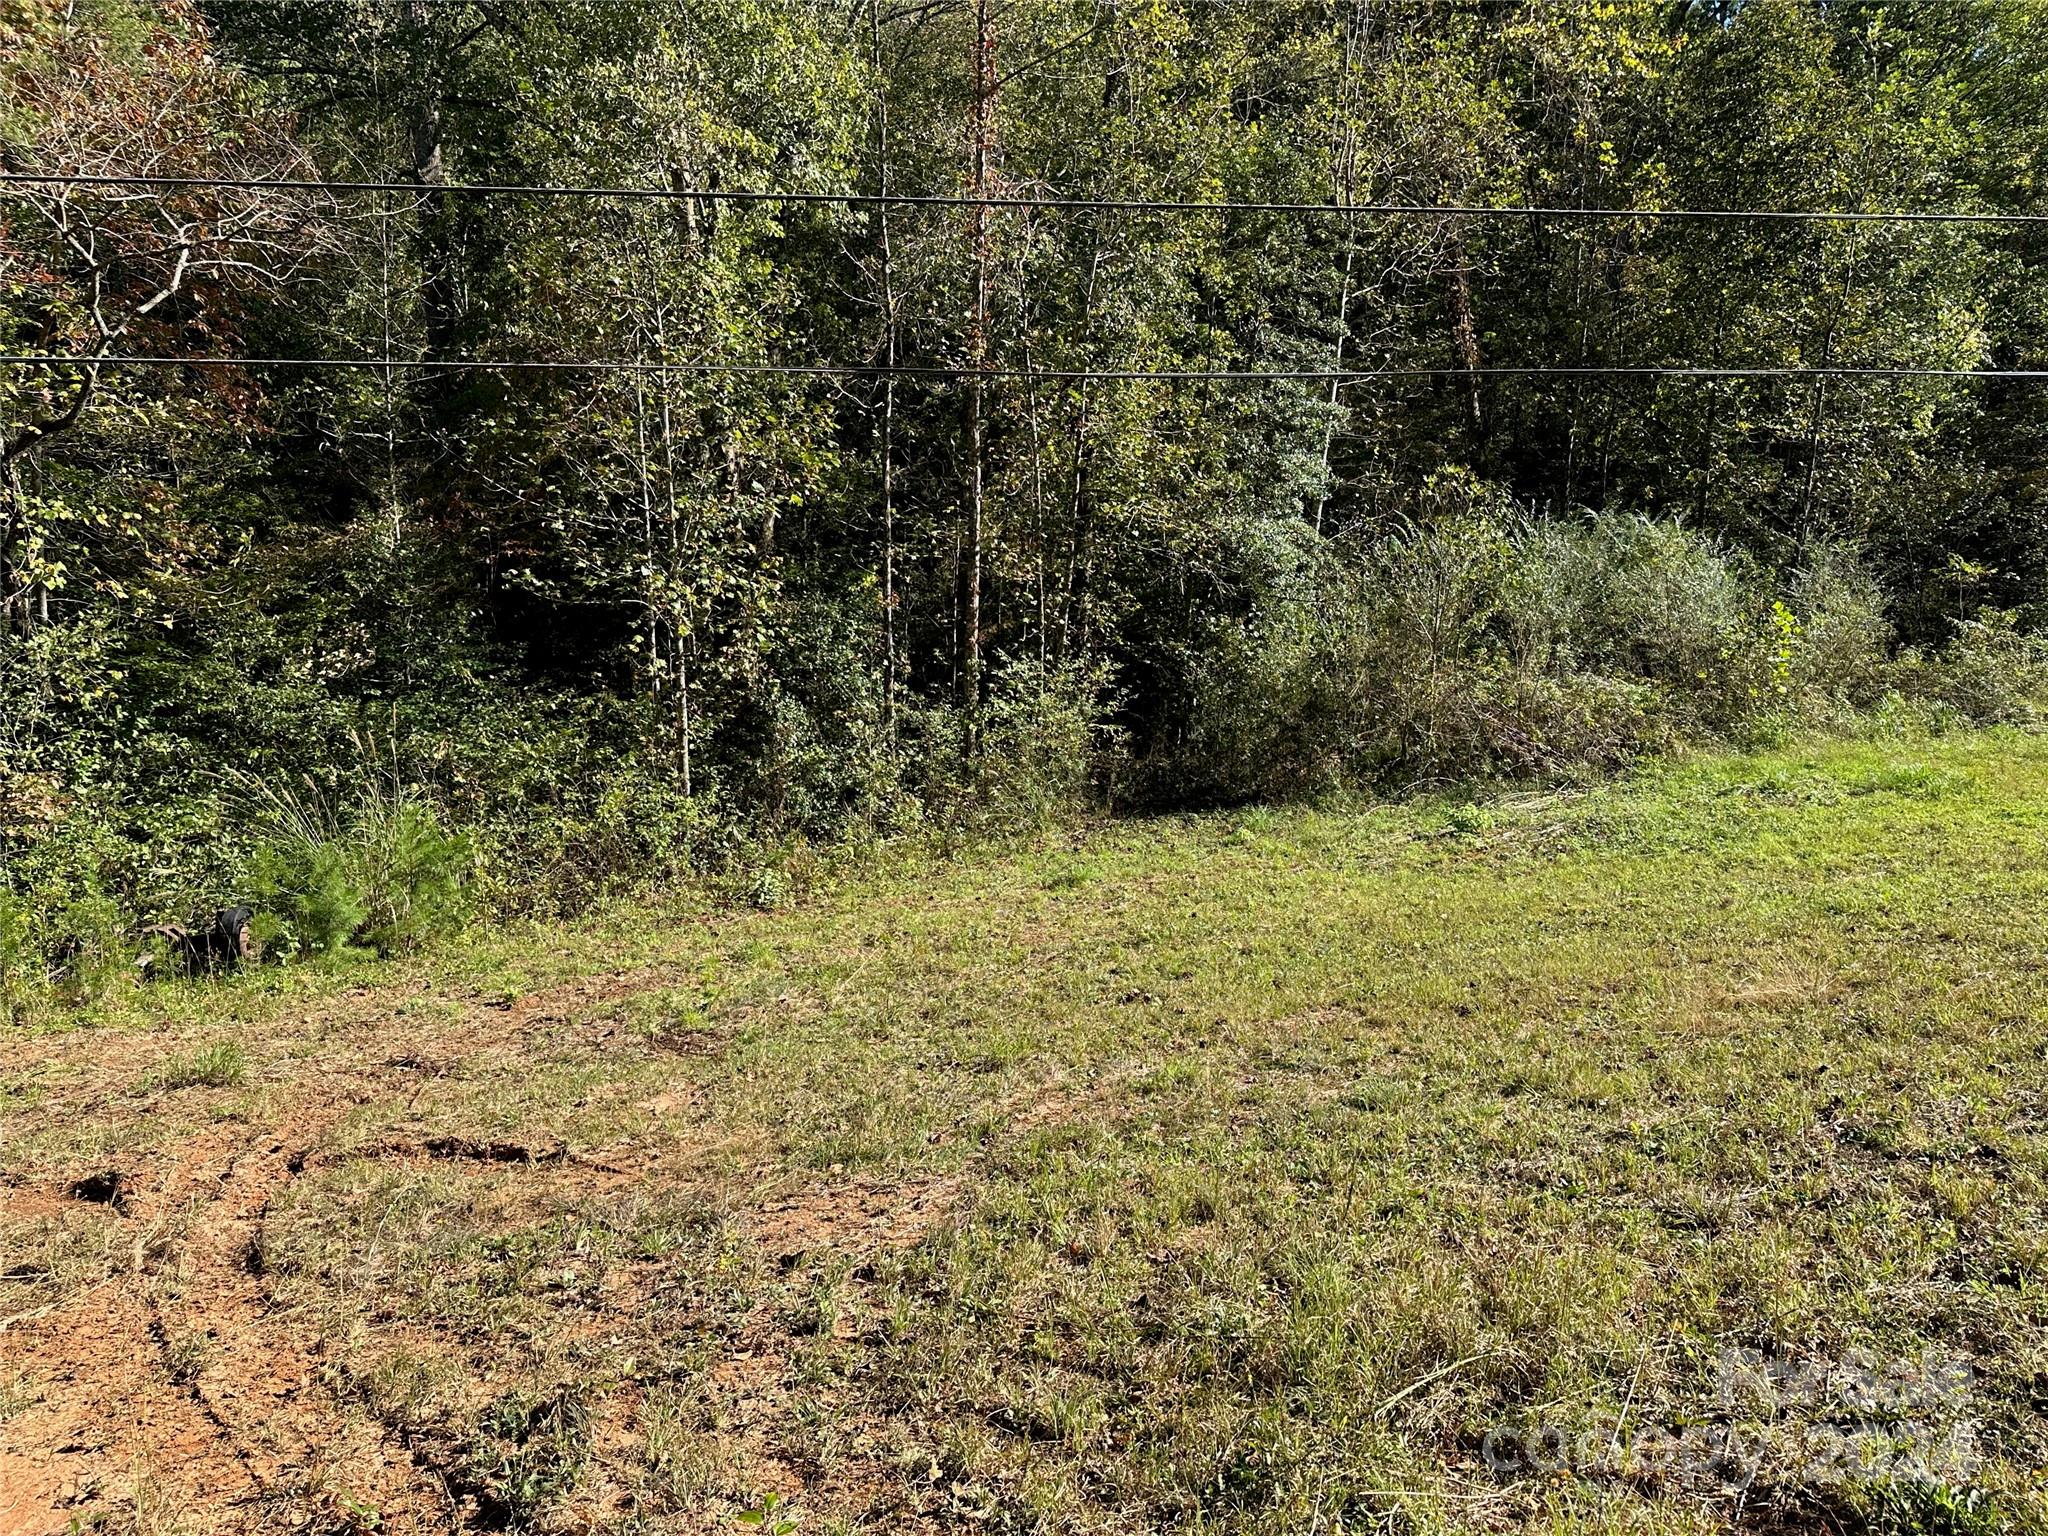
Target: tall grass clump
point(377, 868)
point(220, 1065)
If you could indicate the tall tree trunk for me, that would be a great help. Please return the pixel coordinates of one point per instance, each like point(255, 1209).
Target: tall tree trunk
point(428, 148)
point(1073, 634)
point(1042, 535)
point(681, 609)
point(886, 254)
point(394, 507)
point(1816, 422)
point(13, 518)
point(648, 597)
point(1464, 331)
point(981, 154)
point(1074, 615)
point(1344, 168)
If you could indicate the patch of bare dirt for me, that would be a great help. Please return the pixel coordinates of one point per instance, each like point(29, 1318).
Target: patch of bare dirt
point(177, 1376)
point(860, 1215)
point(176, 1385)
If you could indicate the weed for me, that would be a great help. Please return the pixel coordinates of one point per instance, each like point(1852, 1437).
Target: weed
point(1919, 1508)
point(1469, 820)
point(185, 1354)
point(683, 1459)
point(770, 1515)
point(530, 1451)
point(220, 1065)
point(19, 1391)
point(768, 890)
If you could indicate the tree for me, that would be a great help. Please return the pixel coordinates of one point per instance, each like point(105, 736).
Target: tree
point(101, 270)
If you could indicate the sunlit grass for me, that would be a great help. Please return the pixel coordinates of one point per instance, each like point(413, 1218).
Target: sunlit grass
point(1247, 1171)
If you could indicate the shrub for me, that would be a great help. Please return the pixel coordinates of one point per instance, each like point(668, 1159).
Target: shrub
point(384, 872)
point(413, 874)
point(90, 948)
point(22, 974)
point(1991, 672)
point(1562, 723)
point(1041, 741)
point(1277, 702)
point(309, 890)
point(1435, 596)
point(1668, 606)
point(1480, 642)
point(1845, 639)
point(74, 955)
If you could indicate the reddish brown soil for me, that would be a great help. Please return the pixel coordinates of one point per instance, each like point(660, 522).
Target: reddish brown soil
point(176, 1390)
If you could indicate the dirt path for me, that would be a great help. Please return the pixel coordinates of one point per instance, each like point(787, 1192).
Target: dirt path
point(174, 1388)
point(177, 1385)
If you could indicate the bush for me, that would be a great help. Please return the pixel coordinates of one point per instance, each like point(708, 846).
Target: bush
point(74, 955)
point(309, 891)
point(1437, 596)
point(1845, 639)
point(1481, 643)
point(1041, 743)
point(414, 871)
point(91, 948)
point(1991, 673)
point(1277, 709)
point(384, 873)
point(1662, 603)
point(22, 975)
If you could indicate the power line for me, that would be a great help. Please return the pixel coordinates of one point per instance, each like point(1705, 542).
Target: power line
point(1037, 375)
point(1056, 204)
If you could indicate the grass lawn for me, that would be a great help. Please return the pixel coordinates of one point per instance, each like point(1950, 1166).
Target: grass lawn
point(1668, 1157)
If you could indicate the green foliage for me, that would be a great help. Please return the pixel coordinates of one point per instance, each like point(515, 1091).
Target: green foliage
point(383, 872)
point(92, 947)
point(668, 621)
point(309, 890)
point(1033, 755)
point(1991, 672)
point(1844, 633)
point(413, 872)
point(531, 1449)
point(22, 979)
point(1901, 1507)
point(770, 1515)
point(1482, 643)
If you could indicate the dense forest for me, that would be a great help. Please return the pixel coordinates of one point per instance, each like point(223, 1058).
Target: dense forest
point(894, 506)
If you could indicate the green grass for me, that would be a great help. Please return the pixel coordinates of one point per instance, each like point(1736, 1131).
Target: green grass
point(220, 1065)
point(1259, 1171)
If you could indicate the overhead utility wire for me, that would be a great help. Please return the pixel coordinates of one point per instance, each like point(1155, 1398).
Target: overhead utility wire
point(1071, 204)
point(1044, 375)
